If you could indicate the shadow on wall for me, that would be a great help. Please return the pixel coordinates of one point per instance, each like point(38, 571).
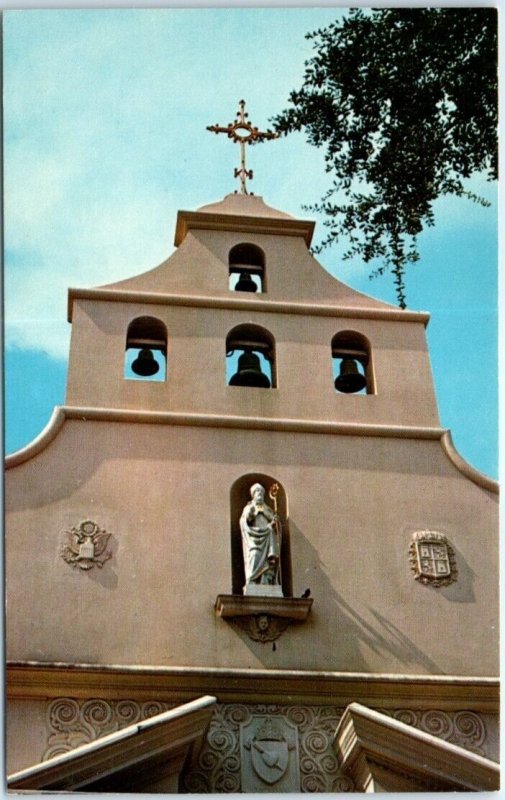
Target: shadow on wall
point(157, 443)
point(336, 637)
point(462, 590)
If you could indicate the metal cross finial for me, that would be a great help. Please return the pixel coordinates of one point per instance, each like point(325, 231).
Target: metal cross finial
point(243, 132)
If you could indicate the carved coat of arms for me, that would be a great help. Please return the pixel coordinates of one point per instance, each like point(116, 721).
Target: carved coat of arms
point(432, 559)
point(86, 546)
point(269, 755)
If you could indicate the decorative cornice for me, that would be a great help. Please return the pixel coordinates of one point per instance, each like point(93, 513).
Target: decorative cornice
point(37, 680)
point(278, 226)
point(38, 444)
point(464, 467)
point(282, 425)
point(366, 739)
point(166, 737)
point(243, 304)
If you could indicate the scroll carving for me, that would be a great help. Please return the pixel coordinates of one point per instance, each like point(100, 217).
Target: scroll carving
point(463, 728)
point(218, 766)
point(71, 724)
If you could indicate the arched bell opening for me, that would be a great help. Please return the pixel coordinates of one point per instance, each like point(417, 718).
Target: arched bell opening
point(352, 363)
point(240, 495)
point(246, 263)
point(146, 350)
point(250, 357)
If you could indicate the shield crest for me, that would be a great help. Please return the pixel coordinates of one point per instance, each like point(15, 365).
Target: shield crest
point(432, 558)
point(270, 759)
point(269, 755)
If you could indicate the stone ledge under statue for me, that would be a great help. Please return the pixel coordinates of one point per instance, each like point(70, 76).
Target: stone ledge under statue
point(262, 610)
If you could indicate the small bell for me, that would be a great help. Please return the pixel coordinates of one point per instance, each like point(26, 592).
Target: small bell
point(350, 379)
point(245, 283)
point(249, 372)
point(145, 364)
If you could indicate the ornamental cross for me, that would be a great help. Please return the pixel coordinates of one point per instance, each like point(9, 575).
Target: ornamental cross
point(243, 132)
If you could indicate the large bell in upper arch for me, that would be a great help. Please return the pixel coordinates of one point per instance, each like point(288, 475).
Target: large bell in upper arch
point(249, 372)
point(350, 379)
point(245, 283)
point(145, 364)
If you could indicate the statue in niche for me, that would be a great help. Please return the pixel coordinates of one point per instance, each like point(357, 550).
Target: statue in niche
point(261, 544)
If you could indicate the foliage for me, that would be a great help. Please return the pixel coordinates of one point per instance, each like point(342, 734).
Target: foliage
point(405, 103)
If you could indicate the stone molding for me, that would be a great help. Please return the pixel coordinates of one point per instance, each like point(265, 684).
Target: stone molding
point(263, 618)
point(217, 766)
point(283, 425)
point(463, 728)
point(243, 304)
point(464, 467)
point(215, 221)
point(71, 724)
point(383, 754)
point(157, 747)
point(62, 413)
point(32, 679)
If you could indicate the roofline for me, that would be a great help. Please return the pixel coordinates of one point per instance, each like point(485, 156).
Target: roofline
point(369, 744)
point(278, 226)
point(226, 421)
point(173, 730)
point(464, 467)
point(243, 304)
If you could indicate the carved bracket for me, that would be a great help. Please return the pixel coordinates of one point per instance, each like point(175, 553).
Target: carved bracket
point(262, 628)
point(263, 618)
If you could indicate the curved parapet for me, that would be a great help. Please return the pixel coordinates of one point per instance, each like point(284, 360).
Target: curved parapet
point(61, 413)
point(464, 467)
point(40, 442)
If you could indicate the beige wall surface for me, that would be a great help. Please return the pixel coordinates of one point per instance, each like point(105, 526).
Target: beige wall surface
point(26, 733)
point(196, 374)
point(163, 493)
point(292, 274)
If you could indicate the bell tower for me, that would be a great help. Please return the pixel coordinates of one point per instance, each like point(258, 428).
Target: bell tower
point(275, 519)
point(320, 352)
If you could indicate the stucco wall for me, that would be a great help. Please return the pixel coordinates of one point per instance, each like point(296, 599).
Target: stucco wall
point(163, 494)
point(38, 730)
point(196, 375)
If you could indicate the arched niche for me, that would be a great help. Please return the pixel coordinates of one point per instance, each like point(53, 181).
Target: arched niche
point(255, 340)
point(351, 354)
point(146, 349)
point(246, 266)
point(239, 497)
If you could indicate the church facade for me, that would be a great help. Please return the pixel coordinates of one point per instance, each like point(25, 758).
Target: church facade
point(173, 627)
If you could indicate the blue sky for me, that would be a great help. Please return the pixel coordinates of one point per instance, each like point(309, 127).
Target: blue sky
point(105, 117)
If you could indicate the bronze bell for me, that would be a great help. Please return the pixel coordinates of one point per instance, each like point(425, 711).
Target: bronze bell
point(145, 364)
point(245, 283)
point(249, 372)
point(350, 379)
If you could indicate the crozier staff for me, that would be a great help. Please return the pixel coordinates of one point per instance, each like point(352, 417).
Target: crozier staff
point(260, 540)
